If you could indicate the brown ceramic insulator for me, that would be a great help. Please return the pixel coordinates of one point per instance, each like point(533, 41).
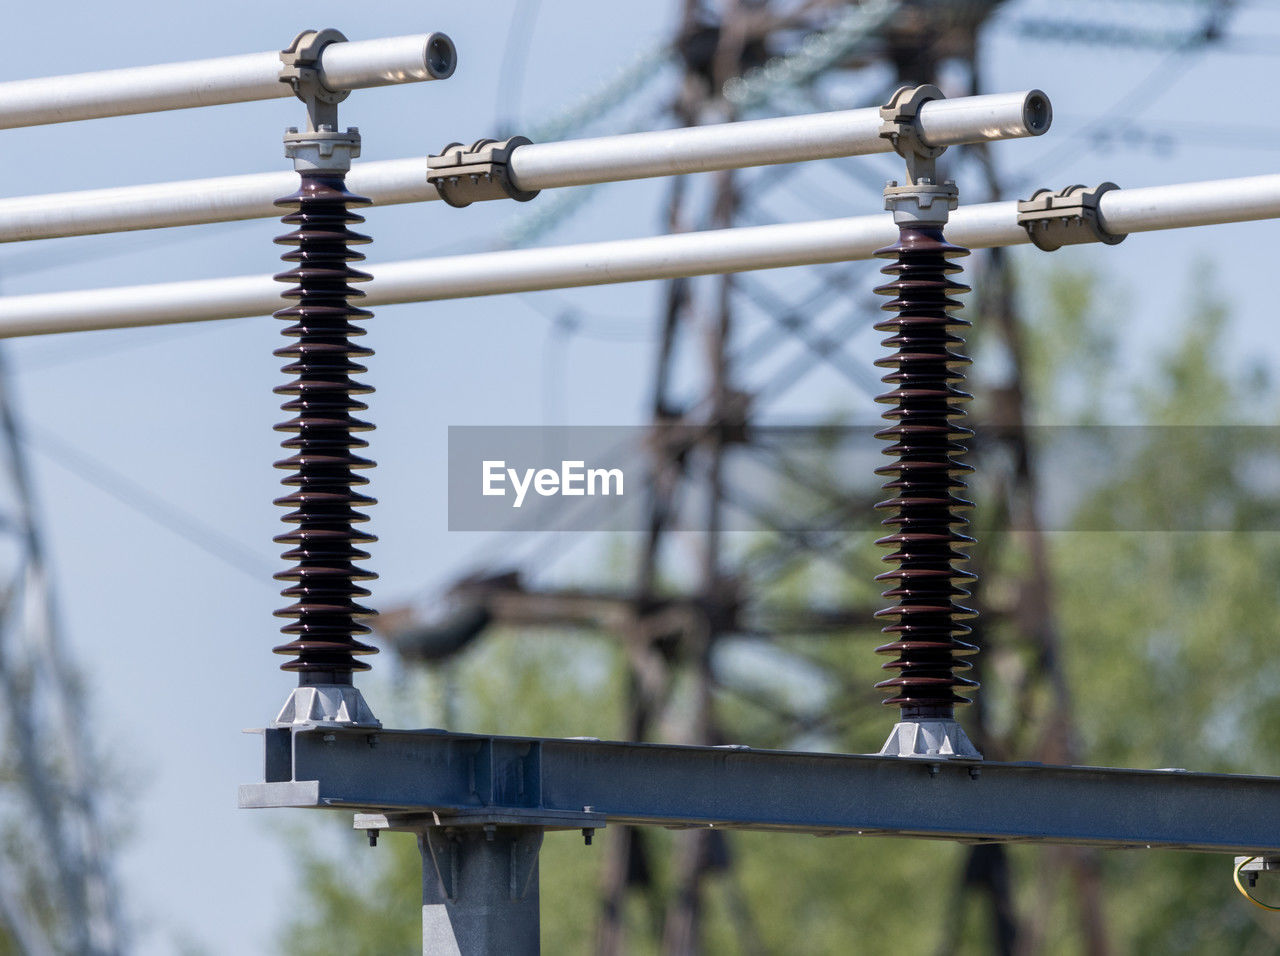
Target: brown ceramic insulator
point(323, 544)
point(926, 510)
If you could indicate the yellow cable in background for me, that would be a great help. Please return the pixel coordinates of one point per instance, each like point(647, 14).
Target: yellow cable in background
point(1247, 895)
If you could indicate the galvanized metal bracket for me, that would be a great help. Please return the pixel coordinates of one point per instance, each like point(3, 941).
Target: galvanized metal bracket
point(448, 848)
point(444, 858)
point(301, 70)
point(1251, 866)
point(898, 124)
point(1065, 218)
point(321, 147)
point(921, 200)
point(463, 175)
point(524, 861)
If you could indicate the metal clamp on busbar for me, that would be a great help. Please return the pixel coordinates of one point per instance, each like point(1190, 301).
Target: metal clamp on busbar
point(301, 70)
point(898, 125)
point(463, 175)
point(1065, 218)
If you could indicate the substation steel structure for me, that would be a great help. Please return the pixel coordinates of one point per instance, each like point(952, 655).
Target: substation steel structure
point(480, 804)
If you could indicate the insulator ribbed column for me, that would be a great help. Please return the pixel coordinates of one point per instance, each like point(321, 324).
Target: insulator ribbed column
point(926, 511)
point(323, 581)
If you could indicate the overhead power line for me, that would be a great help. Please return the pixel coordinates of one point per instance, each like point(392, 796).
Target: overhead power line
point(817, 53)
point(1140, 96)
point(173, 519)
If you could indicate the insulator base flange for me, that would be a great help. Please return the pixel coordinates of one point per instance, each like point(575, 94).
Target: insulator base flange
point(325, 705)
point(929, 738)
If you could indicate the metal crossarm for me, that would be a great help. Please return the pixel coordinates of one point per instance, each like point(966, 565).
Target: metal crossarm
point(466, 778)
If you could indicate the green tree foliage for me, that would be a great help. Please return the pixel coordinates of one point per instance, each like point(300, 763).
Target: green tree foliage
point(1167, 634)
point(1170, 632)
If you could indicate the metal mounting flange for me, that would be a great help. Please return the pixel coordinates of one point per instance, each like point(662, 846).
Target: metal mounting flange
point(325, 705)
point(924, 203)
point(1065, 218)
point(322, 151)
point(898, 125)
point(463, 175)
point(930, 738)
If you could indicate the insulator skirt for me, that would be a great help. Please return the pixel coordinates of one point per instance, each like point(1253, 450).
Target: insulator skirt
point(323, 543)
point(926, 510)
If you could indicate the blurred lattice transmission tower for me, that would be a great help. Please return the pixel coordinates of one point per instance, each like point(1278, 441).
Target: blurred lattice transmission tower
point(57, 892)
point(737, 355)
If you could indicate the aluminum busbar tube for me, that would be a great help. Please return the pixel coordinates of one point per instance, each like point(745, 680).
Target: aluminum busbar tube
point(349, 65)
point(537, 166)
point(628, 260)
point(194, 201)
point(785, 139)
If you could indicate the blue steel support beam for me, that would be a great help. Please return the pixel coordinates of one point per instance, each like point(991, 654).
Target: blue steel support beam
point(534, 781)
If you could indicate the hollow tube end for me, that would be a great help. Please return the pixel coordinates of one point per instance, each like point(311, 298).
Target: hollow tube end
point(1037, 113)
point(440, 56)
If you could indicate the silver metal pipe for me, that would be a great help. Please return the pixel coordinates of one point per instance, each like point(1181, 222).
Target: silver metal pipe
point(628, 260)
point(194, 201)
point(787, 139)
point(224, 199)
point(355, 64)
point(697, 149)
point(1190, 204)
point(986, 225)
point(661, 257)
point(972, 119)
point(537, 166)
point(363, 64)
point(451, 277)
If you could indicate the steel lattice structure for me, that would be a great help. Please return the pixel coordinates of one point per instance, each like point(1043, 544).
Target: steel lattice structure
point(58, 895)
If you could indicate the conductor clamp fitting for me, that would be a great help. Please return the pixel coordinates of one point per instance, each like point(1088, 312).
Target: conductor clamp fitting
point(466, 174)
point(1066, 218)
